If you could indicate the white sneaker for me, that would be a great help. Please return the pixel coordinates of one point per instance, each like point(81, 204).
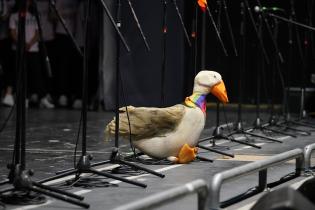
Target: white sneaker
point(44, 103)
point(63, 100)
point(8, 100)
point(77, 104)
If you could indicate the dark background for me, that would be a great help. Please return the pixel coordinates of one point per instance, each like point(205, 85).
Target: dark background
point(141, 70)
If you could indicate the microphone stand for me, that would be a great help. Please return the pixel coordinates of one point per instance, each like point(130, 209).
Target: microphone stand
point(239, 124)
point(216, 30)
point(273, 120)
point(303, 87)
point(182, 23)
point(279, 55)
point(139, 26)
point(264, 17)
point(287, 95)
point(52, 4)
point(164, 39)
point(217, 133)
point(84, 165)
point(194, 36)
point(19, 177)
point(260, 69)
point(190, 45)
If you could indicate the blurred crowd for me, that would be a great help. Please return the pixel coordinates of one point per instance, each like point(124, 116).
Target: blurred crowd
point(62, 86)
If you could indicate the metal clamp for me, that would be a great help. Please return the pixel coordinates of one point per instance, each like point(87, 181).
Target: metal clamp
point(198, 186)
point(258, 166)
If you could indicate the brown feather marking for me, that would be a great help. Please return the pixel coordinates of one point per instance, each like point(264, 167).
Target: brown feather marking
point(146, 122)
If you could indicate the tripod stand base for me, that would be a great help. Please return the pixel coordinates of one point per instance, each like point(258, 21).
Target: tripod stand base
point(240, 130)
point(116, 158)
point(278, 131)
point(303, 124)
point(259, 126)
point(23, 198)
point(217, 135)
point(286, 125)
point(274, 122)
point(84, 166)
point(23, 184)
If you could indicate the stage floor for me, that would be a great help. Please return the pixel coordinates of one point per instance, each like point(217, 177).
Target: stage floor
point(51, 137)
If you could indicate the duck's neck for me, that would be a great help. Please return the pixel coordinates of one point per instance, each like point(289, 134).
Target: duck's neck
point(197, 100)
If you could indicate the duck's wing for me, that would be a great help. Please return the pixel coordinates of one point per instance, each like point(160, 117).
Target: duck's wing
point(147, 122)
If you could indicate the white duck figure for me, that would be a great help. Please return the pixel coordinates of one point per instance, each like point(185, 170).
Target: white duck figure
point(171, 132)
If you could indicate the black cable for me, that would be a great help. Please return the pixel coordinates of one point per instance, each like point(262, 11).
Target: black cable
point(87, 182)
point(126, 171)
point(90, 182)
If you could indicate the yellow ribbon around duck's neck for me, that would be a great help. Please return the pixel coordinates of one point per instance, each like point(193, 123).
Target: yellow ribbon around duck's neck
point(196, 100)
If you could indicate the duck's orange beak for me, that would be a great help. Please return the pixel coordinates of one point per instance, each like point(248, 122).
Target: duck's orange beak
point(219, 91)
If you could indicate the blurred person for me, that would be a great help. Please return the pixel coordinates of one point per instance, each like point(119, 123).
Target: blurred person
point(79, 37)
point(7, 73)
point(35, 79)
point(48, 33)
point(65, 52)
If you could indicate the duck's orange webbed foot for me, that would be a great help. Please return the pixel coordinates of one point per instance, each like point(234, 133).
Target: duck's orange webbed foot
point(187, 154)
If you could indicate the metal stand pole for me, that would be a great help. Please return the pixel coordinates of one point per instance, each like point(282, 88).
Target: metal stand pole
point(84, 165)
point(19, 177)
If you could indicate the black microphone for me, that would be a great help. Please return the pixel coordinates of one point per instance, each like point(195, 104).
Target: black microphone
point(268, 9)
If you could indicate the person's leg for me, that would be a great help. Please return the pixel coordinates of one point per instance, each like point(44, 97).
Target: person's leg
point(62, 69)
point(51, 55)
point(76, 79)
point(10, 77)
point(36, 79)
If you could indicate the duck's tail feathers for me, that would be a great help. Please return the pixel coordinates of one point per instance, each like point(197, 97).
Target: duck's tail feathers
point(123, 124)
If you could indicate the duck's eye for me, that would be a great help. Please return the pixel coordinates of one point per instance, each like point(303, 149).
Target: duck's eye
point(215, 76)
